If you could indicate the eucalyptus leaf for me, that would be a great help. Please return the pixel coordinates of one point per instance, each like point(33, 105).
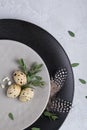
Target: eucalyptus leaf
point(21, 62)
point(50, 115)
point(38, 77)
point(35, 68)
point(28, 78)
point(46, 113)
point(71, 33)
point(82, 81)
point(35, 71)
point(54, 117)
point(11, 116)
point(38, 83)
point(74, 64)
point(39, 66)
point(27, 86)
point(34, 128)
point(85, 96)
point(22, 65)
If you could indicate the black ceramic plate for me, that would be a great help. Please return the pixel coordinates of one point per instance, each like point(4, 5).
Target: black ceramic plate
point(53, 55)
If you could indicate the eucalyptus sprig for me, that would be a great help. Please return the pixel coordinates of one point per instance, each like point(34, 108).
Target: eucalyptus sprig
point(32, 78)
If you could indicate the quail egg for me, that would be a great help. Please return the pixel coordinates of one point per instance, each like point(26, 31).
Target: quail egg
point(26, 94)
point(13, 91)
point(19, 78)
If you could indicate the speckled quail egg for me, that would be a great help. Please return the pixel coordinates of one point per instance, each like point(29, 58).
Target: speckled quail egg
point(19, 78)
point(26, 94)
point(13, 91)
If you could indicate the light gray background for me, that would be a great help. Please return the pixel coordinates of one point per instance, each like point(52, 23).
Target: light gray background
point(57, 17)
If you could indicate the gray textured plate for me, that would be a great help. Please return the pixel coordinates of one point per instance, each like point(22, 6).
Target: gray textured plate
point(24, 113)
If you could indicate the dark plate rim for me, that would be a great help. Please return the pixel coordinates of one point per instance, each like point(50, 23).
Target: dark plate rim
point(48, 33)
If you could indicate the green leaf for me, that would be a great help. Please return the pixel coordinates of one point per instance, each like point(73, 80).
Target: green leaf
point(37, 83)
point(39, 66)
point(35, 68)
point(38, 77)
point(74, 64)
point(82, 81)
point(54, 117)
point(28, 78)
point(27, 86)
point(34, 128)
point(34, 72)
point(32, 78)
point(71, 34)
point(46, 113)
point(11, 116)
point(22, 65)
point(50, 115)
point(21, 62)
point(30, 75)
